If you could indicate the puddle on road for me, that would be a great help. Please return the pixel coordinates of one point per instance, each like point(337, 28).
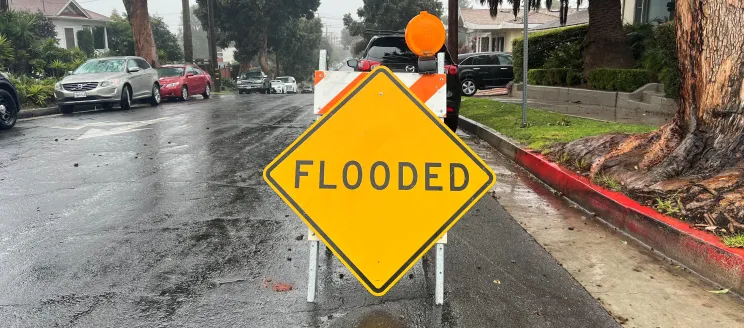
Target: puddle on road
point(638, 287)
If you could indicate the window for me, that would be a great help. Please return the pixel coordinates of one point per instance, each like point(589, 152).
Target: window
point(99, 37)
point(86, 27)
point(498, 44)
point(131, 63)
point(142, 64)
point(651, 11)
point(505, 60)
point(69, 37)
point(191, 70)
point(390, 50)
point(197, 71)
point(467, 61)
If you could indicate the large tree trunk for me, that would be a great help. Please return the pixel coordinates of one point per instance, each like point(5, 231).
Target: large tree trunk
point(452, 25)
point(139, 19)
point(263, 54)
point(188, 42)
point(699, 157)
point(605, 44)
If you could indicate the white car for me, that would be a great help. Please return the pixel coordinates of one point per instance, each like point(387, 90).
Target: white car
point(277, 86)
point(290, 84)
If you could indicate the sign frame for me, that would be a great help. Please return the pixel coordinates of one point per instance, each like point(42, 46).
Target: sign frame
point(431, 241)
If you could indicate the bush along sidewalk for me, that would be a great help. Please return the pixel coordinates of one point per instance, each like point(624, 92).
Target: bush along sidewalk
point(551, 134)
point(689, 244)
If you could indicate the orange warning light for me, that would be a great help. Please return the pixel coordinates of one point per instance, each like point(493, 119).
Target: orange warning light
point(425, 34)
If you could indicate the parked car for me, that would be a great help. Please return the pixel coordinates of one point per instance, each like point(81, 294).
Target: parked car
point(393, 52)
point(108, 81)
point(9, 103)
point(290, 84)
point(307, 89)
point(479, 71)
point(277, 86)
point(255, 81)
point(182, 81)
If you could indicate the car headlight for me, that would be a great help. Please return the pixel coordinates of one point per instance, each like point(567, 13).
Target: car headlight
point(240, 82)
point(58, 86)
point(172, 85)
point(109, 83)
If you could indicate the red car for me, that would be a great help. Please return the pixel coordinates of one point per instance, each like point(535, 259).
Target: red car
point(184, 80)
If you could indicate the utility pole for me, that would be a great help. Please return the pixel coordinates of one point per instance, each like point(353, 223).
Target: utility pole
point(452, 21)
point(216, 74)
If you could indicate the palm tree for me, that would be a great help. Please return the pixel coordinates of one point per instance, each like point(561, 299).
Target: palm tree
point(605, 44)
point(188, 42)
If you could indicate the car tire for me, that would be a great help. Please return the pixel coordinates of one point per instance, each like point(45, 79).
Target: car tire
point(66, 109)
point(184, 93)
point(9, 115)
point(155, 98)
point(469, 88)
point(207, 92)
point(126, 98)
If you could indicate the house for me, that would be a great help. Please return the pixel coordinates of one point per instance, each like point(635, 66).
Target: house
point(68, 17)
point(580, 17)
point(486, 33)
point(645, 11)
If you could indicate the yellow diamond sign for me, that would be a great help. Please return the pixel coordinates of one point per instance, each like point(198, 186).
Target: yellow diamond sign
point(379, 178)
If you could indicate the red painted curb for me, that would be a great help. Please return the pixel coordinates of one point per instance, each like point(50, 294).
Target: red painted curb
point(700, 251)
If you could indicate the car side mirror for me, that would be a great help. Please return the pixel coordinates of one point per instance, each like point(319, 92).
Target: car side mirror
point(133, 69)
point(352, 63)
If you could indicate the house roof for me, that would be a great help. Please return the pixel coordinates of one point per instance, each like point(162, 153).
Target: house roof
point(578, 18)
point(481, 18)
point(57, 8)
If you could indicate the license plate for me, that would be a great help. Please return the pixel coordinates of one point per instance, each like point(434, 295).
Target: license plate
point(81, 94)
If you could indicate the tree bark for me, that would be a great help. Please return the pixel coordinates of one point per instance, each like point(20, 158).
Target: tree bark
point(700, 154)
point(263, 53)
point(278, 70)
point(605, 44)
point(139, 19)
point(188, 41)
point(453, 23)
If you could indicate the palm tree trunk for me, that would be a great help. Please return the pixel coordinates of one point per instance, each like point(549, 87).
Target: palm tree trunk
point(605, 44)
point(188, 42)
point(263, 53)
point(139, 19)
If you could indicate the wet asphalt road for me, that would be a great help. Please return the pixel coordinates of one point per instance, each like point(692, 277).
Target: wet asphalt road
point(159, 217)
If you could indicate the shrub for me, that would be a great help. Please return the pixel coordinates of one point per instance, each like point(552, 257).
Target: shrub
point(34, 91)
point(612, 79)
point(536, 76)
point(567, 55)
point(553, 76)
point(661, 59)
point(541, 44)
point(85, 42)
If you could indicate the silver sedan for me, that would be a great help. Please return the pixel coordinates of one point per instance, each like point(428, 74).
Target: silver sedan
point(108, 81)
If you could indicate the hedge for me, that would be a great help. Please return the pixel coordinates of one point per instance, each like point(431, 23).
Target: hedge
point(554, 76)
point(612, 79)
point(542, 44)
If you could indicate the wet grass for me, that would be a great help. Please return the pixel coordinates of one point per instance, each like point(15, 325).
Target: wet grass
point(544, 127)
point(734, 241)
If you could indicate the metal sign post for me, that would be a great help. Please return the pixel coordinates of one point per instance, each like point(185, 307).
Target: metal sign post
point(525, 60)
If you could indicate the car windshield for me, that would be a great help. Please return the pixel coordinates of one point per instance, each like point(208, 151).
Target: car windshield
point(101, 66)
point(251, 76)
point(284, 79)
point(171, 71)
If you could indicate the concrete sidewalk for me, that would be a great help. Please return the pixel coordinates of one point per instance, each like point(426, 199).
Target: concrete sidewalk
point(621, 115)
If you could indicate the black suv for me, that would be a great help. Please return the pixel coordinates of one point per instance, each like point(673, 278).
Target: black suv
point(393, 52)
point(9, 105)
point(487, 70)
